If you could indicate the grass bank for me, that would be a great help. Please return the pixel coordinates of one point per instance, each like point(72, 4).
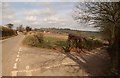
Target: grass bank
point(49, 41)
point(52, 43)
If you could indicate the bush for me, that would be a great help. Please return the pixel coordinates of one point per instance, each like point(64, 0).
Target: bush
point(7, 31)
point(67, 47)
point(91, 44)
point(30, 40)
point(33, 39)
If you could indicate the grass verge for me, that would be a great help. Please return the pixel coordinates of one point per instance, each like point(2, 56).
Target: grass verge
point(52, 43)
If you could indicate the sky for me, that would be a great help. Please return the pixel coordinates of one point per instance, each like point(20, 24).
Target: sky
point(42, 15)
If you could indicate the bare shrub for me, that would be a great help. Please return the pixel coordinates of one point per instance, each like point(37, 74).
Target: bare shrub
point(80, 43)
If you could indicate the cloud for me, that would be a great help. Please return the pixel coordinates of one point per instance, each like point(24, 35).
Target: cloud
point(17, 21)
point(31, 18)
point(0, 13)
point(7, 9)
point(10, 16)
point(0, 5)
point(54, 19)
point(41, 0)
point(40, 15)
point(8, 13)
point(43, 12)
point(37, 16)
point(35, 23)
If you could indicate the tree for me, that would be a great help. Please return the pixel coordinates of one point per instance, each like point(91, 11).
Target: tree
point(10, 25)
point(20, 28)
point(105, 16)
point(28, 29)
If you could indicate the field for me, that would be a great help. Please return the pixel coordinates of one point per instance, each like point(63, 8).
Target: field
point(57, 39)
point(87, 34)
point(53, 41)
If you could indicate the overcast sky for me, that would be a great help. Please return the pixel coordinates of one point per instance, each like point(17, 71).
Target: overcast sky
point(41, 15)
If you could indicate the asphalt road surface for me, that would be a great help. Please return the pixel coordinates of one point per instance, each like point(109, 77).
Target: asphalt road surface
point(10, 48)
point(18, 60)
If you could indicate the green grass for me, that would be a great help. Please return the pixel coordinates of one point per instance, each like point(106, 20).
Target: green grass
point(52, 43)
point(38, 40)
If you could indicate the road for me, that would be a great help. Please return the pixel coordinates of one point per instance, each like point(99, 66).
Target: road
point(18, 60)
point(21, 61)
point(10, 48)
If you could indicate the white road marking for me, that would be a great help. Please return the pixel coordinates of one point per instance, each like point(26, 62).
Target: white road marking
point(14, 73)
point(18, 52)
point(18, 55)
point(15, 66)
point(27, 67)
point(28, 72)
point(17, 59)
point(47, 67)
point(20, 49)
point(58, 65)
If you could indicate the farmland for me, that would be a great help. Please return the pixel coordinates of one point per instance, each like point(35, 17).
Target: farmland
point(57, 39)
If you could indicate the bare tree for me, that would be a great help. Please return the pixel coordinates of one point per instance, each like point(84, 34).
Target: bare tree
point(105, 16)
point(28, 28)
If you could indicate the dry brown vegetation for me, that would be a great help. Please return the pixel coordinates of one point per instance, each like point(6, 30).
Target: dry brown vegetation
point(57, 41)
point(7, 32)
point(61, 36)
